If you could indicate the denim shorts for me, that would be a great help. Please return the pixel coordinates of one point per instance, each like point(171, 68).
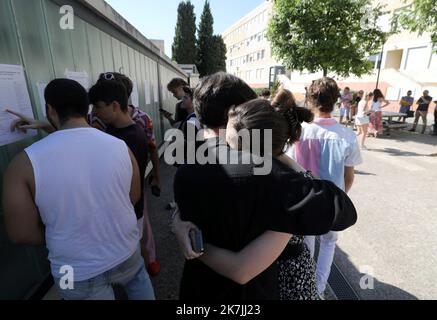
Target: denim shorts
point(131, 275)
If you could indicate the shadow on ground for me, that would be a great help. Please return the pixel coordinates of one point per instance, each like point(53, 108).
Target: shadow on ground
point(380, 291)
point(166, 284)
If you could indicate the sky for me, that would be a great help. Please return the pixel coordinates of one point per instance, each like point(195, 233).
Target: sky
point(156, 19)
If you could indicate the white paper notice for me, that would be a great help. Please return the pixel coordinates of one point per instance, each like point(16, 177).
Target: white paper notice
point(42, 102)
point(81, 77)
point(135, 99)
point(14, 96)
point(155, 93)
point(148, 94)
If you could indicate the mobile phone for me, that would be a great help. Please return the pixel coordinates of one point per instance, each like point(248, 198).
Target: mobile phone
point(197, 241)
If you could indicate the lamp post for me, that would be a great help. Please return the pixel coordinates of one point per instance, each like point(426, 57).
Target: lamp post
point(379, 66)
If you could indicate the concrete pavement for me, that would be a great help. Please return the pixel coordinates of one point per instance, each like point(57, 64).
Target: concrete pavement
point(395, 193)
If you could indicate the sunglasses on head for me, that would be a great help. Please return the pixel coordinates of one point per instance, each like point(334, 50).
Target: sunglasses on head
point(108, 76)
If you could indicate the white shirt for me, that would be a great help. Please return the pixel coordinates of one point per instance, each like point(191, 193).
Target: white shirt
point(362, 108)
point(325, 149)
point(376, 106)
point(82, 185)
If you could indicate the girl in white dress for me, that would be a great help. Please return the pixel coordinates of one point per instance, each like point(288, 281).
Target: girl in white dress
point(362, 119)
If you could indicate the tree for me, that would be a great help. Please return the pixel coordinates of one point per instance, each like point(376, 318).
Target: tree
point(219, 54)
point(326, 35)
point(420, 17)
point(184, 45)
point(205, 42)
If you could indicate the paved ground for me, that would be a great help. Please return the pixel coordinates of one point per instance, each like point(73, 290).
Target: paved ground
point(395, 238)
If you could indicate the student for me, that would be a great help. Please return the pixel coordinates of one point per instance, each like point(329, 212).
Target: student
point(354, 108)
point(74, 191)
point(376, 126)
point(405, 105)
point(239, 206)
point(330, 151)
point(191, 119)
point(176, 87)
point(422, 111)
point(145, 122)
point(362, 119)
point(346, 102)
point(110, 105)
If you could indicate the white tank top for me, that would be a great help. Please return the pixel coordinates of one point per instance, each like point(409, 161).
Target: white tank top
point(376, 106)
point(82, 184)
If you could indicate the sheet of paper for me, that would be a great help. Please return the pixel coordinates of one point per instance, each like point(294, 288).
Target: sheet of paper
point(147, 93)
point(81, 77)
point(14, 96)
point(42, 102)
point(135, 99)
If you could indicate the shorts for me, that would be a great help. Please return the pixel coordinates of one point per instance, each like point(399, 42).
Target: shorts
point(359, 121)
point(344, 111)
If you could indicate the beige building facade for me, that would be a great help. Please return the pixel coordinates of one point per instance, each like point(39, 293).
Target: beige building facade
point(407, 61)
point(249, 54)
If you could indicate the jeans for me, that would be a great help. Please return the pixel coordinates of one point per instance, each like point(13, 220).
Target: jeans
point(325, 258)
point(423, 115)
point(131, 275)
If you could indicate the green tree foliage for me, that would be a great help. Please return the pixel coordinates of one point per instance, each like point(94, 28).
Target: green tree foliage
point(205, 42)
point(326, 35)
point(420, 17)
point(219, 55)
point(184, 45)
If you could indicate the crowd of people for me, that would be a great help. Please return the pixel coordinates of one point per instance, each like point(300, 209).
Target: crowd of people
point(81, 190)
point(367, 113)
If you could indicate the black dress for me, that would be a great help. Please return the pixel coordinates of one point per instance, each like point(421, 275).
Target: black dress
point(232, 207)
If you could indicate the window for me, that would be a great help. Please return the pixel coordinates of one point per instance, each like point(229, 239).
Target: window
point(417, 58)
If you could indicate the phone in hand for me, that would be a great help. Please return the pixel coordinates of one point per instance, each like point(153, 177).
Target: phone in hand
point(197, 241)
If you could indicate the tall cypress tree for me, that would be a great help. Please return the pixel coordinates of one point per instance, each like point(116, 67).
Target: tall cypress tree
point(219, 54)
point(184, 45)
point(205, 42)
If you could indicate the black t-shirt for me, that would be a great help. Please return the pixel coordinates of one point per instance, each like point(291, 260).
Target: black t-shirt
point(181, 113)
point(136, 139)
point(424, 103)
point(234, 209)
point(357, 100)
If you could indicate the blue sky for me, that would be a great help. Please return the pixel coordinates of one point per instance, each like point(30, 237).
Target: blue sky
point(156, 19)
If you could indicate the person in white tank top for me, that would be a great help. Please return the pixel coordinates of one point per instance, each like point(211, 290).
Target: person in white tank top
point(75, 191)
point(362, 119)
